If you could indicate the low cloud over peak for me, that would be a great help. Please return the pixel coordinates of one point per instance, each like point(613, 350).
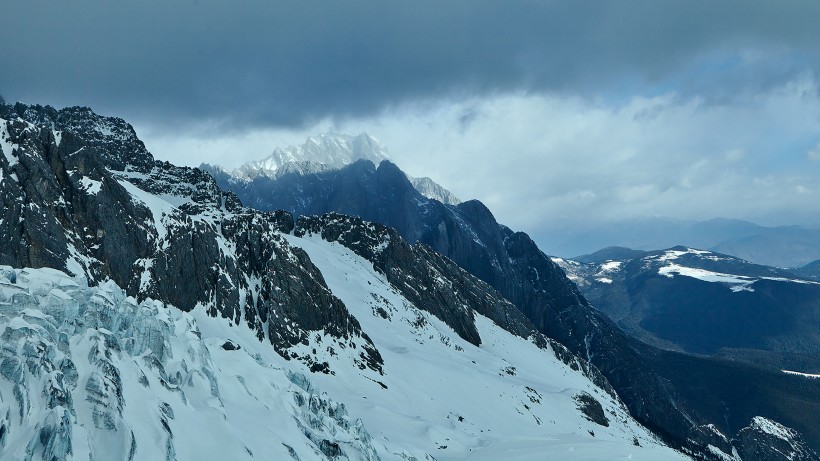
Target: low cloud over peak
point(287, 64)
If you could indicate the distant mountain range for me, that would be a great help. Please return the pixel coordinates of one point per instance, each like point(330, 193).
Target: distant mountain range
point(783, 246)
point(811, 270)
point(706, 303)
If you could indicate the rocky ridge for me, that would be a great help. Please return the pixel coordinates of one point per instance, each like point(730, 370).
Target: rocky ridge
point(765, 439)
point(81, 194)
point(326, 151)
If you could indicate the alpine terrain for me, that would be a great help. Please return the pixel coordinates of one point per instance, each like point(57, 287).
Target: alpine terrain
point(692, 402)
point(326, 152)
point(706, 303)
point(146, 314)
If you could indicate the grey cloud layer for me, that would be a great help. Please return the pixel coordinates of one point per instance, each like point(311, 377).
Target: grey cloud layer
point(262, 63)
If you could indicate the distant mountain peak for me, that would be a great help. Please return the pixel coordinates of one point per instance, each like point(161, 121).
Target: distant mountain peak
point(327, 152)
point(327, 149)
point(431, 189)
point(613, 253)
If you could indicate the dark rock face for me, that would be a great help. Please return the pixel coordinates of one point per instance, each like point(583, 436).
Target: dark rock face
point(382, 195)
point(80, 193)
point(231, 346)
point(592, 409)
point(765, 440)
point(729, 393)
point(511, 263)
point(421, 276)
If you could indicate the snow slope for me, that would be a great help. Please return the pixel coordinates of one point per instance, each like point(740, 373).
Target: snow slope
point(89, 373)
point(506, 399)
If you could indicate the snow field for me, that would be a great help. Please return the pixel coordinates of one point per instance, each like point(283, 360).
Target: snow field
point(453, 400)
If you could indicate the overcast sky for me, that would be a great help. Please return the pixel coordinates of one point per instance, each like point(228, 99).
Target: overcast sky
point(558, 115)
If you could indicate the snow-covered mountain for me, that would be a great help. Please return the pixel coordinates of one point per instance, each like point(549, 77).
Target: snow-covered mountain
point(780, 246)
point(90, 373)
point(706, 302)
point(328, 150)
point(145, 314)
point(431, 189)
point(320, 154)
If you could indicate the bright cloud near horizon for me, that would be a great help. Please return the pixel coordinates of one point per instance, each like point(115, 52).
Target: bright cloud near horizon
point(556, 114)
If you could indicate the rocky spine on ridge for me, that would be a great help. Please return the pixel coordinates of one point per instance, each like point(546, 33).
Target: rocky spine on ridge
point(435, 284)
point(80, 193)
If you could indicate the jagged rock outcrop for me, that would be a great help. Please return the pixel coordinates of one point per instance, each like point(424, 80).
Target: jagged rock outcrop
point(432, 190)
point(80, 193)
point(318, 153)
point(765, 439)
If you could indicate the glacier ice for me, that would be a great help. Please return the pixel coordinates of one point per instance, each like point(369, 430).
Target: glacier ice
point(89, 373)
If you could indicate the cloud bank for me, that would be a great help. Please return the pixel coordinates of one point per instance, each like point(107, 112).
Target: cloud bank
point(263, 63)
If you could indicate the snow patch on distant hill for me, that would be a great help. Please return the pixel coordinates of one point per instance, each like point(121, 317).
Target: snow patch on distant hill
point(707, 276)
point(805, 375)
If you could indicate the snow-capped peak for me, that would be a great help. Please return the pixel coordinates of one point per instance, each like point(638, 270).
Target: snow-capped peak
point(328, 150)
point(431, 189)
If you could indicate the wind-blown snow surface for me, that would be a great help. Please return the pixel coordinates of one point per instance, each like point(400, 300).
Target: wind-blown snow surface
point(88, 373)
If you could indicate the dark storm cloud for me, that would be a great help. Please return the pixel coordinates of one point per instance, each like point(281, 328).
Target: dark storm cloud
point(255, 62)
